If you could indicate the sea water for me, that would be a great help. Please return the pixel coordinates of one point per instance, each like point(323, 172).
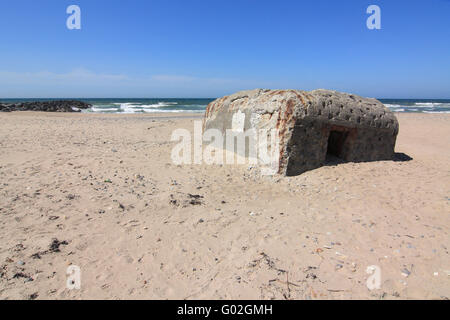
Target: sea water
point(155, 105)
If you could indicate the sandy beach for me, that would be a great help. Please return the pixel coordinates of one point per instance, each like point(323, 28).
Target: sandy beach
point(101, 192)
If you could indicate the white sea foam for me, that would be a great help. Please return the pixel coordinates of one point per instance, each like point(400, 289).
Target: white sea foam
point(129, 107)
point(157, 105)
point(94, 109)
point(171, 111)
point(394, 106)
point(428, 107)
point(133, 105)
point(428, 104)
point(436, 111)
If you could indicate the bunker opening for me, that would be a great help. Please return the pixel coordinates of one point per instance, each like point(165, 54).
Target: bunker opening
point(336, 143)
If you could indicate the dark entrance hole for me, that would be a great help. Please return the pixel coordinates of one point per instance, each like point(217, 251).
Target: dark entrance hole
point(336, 141)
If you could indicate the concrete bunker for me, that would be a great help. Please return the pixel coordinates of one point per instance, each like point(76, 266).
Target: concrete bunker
point(313, 126)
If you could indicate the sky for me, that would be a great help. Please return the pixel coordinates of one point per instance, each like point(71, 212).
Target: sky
point(211, 48)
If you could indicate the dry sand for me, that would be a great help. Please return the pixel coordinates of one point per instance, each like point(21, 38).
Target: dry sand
point(105, 186)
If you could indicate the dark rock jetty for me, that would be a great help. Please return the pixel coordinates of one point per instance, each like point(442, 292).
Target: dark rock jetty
point(47, 106)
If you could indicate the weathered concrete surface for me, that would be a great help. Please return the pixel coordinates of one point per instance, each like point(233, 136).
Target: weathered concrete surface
point(311, 125)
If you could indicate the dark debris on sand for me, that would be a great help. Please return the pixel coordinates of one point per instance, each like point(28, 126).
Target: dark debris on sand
point(53, 248)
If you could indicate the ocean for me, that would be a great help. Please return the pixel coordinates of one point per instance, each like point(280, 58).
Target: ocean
point(147, 105)
point(418, 105)
point(155, 105)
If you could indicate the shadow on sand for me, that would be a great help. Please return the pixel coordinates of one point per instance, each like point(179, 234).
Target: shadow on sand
point(333, 160)
point(401, 157)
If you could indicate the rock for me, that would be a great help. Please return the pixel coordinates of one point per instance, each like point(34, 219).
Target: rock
point(33, 296)
point(313, 127)
point(405, 272)
point(55, 244)
point(48, 106)
point(71, 196)
point(5, 108)
point(195, 199)
point(18, 275)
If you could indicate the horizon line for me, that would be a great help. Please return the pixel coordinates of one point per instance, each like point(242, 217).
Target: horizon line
point(206, 98)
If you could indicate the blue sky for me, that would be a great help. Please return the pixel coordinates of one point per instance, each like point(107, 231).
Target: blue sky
point(209, 48)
